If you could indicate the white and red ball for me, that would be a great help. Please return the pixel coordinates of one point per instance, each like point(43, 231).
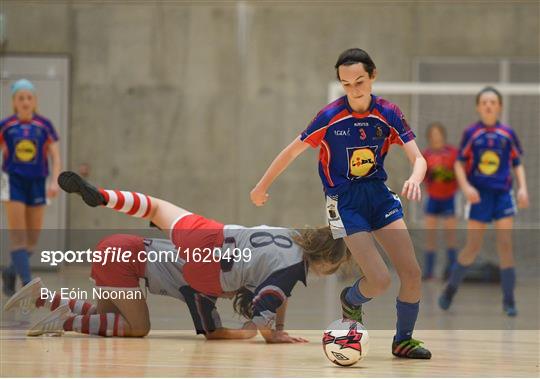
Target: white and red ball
point(345, 342)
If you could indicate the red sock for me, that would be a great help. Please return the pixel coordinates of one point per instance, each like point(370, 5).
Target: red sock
point(104, 324)
point(133, 203)
point(79, 307)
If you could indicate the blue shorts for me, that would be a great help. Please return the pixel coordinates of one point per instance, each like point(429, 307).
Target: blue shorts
point(362, 207)
point(493, 206)
point(30, 191)
point(442, 208)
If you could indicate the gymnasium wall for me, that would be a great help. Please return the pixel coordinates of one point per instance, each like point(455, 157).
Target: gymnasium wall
point(191, 102)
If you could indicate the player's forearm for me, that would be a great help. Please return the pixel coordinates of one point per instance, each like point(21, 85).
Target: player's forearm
point(231, 334)
point(281, 162)
point(56, 161)
point(461, 175)
point(280, 316)
point(417, 161)
point(419, 169)
point(519, 172)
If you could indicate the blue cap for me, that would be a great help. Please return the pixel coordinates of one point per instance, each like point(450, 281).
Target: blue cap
point(22, 84)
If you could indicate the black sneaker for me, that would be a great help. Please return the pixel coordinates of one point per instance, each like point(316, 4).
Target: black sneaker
point(411, 349)
point(352, 312)
point(445, 300)
point(8, 278)
point(73, 183)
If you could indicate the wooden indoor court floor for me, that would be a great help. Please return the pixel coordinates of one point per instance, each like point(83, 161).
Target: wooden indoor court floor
point(506, 352)
point(164, 353)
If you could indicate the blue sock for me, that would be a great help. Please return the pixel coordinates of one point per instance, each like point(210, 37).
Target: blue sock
point(406, 318)
point(429, 263)
point(508, 282)
point(21, 261)
point(451, 256)
point(354, 296)
point(457, 275)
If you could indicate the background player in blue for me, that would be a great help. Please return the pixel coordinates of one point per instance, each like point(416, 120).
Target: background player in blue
point(488, 153)
point(354, 134)
point(26, 140)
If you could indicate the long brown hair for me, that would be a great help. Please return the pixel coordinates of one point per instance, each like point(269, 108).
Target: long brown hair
point(243, 303)
point(318, 246)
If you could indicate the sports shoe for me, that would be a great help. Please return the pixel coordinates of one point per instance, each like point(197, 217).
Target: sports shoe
point(71, 182)
point(445, 300)
point(410, 348)
point(352, 312)
point(53, 323)
point(8, 281)
point(510, 309)
point(25, 298)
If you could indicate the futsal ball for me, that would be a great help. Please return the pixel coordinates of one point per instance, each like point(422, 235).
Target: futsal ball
point(345, 342)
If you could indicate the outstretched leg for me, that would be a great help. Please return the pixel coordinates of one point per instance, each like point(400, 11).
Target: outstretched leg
point(160, 212)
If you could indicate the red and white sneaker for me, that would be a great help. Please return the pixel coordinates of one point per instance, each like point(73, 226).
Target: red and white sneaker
point(52, 324)
point(25, 298)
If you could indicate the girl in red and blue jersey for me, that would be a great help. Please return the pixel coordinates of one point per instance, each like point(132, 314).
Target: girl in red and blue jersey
point(441, 187)
point(354, 134)
point(488, 154)
point(27, 139)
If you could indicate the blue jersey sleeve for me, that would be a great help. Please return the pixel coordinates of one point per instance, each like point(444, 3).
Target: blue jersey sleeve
point(402, 132)
point(273, 292)
point(465, 151)
point(315, 131)
point(516, 150)
point(52, 136)
point(3, 124)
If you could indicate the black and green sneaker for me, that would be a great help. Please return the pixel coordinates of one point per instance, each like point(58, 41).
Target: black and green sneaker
point(352, 312)
point(411, 349)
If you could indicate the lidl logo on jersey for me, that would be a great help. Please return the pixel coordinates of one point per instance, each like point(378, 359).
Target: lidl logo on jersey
point(489, 162)
point(25, 150)
point(361, 161)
